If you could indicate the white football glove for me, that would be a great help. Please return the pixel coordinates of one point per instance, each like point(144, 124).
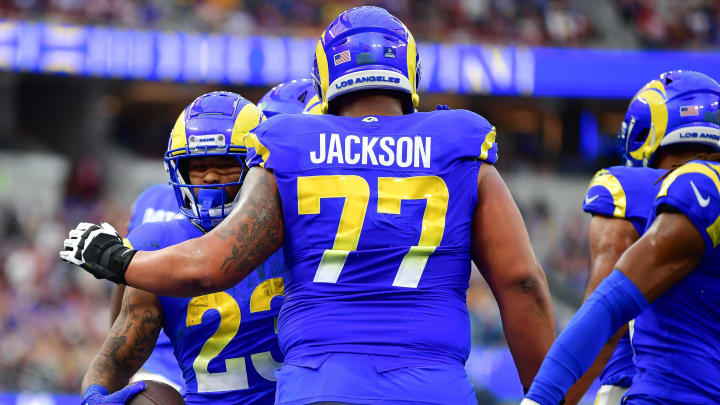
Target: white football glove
point(99, 250)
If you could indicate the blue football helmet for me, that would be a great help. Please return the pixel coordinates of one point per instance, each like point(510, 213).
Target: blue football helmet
point(366, 48)
point(680, 106)
point(212, 125)
point(292, 97)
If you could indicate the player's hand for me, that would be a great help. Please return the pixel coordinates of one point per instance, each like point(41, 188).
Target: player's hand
point(99, 250)
point(97, 394)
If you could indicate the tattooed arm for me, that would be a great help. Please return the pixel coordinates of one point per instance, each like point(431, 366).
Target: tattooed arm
point(218, 260)
point(129, 343)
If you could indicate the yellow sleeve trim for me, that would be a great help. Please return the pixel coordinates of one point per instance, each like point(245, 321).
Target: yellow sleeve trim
point(688, 168)
point(487, 144)
point(252, 141)
point(127, 243)
point(606, 179)
point(713, 230)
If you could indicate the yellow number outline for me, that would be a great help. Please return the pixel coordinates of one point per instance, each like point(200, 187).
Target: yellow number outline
point(391, 191)
point(260, 299)
point(235, 376)
point(356, 192)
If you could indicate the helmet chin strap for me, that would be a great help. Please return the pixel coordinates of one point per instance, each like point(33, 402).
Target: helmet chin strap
point(209, 198)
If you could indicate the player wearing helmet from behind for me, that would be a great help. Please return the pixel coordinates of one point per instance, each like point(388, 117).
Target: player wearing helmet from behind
point(667, 280)
point(293, 97)
point(380, 211)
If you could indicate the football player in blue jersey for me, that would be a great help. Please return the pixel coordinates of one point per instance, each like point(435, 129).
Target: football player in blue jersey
point(224, 342)
point(157, 203)
point(380, 211)
point(668, 280)
point(620, 198)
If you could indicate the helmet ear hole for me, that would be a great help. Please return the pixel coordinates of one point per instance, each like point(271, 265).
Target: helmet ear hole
point(642, 136)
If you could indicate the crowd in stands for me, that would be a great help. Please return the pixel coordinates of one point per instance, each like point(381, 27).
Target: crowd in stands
point(53, 318)
point(656, 23)
point(674, 24)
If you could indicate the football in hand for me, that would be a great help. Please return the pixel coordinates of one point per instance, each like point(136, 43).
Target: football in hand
point(157, 393)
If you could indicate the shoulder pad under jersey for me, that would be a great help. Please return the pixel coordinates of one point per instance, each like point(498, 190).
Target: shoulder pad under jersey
point(694, 190)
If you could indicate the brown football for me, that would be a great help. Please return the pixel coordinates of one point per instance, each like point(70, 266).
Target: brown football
point(157, 393)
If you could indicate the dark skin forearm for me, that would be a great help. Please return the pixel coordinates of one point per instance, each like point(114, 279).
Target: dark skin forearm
point(129, 342)
point(528, 324)
point(670, 249)
point(609, 238)
point(116, 298)
point(216, 261)
point(506, 259)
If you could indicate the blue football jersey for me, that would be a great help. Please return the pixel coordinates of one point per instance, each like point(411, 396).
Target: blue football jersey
point(225, 342)
point(156, 204)
point(377, 213)
point(625, 193)
point(677, 339)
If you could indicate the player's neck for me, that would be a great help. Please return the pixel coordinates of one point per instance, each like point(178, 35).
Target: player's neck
point(667, 162)
point(371, 105)
point(670, 156)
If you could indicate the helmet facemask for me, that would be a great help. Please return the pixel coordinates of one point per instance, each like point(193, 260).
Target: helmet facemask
point(204, 204)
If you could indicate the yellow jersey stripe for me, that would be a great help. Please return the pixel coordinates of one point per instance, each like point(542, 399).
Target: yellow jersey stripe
point(606, 179)
point(713, 230)
point(487, 144)
point(252, 141)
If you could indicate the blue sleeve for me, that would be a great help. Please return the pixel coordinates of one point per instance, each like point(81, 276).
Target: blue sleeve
point(623, 192)
point(605, 196)
point(148, 236)
point(267, 141)
point(476, 136)
point(257, 153)
point(694, 190)
point(613, 303)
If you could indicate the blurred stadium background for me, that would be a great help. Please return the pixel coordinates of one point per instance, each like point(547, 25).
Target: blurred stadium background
point(90, 89)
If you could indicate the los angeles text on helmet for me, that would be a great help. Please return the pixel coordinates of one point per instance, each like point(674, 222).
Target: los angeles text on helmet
point(363, 79)
point(372, 150)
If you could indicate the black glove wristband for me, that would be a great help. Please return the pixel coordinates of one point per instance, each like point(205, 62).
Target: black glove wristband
point(113, 264)
point(106, 257)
